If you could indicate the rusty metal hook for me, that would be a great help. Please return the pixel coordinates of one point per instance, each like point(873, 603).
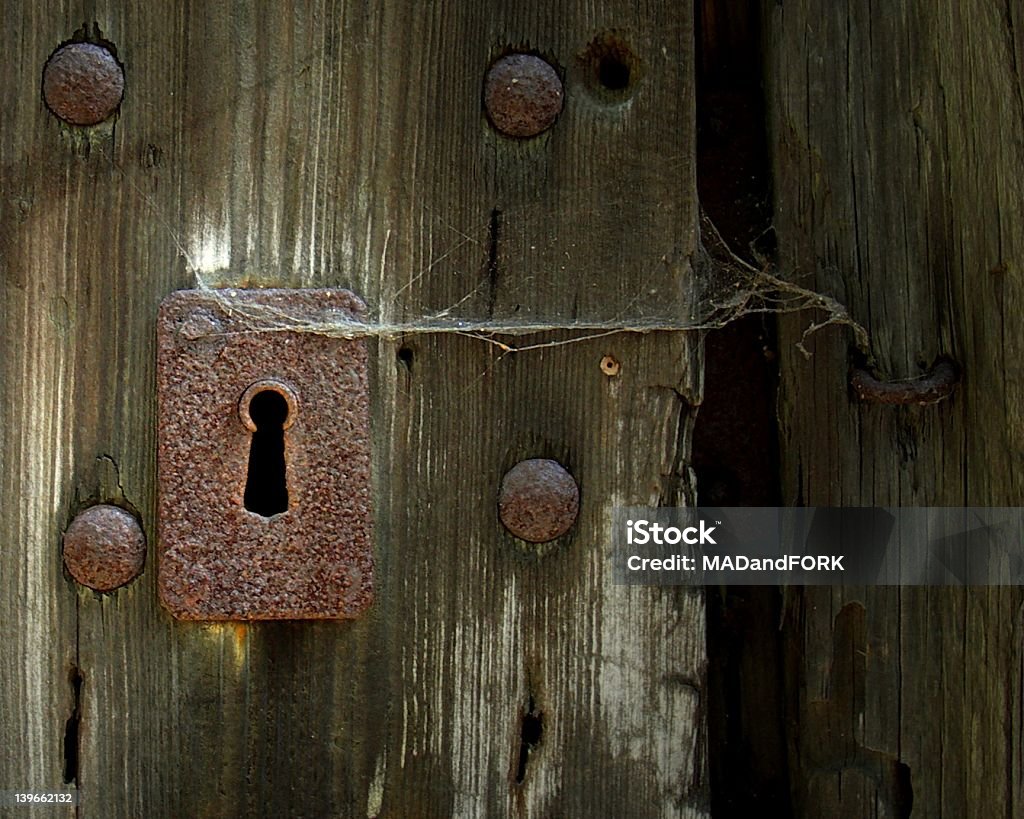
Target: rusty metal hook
point(934, 386)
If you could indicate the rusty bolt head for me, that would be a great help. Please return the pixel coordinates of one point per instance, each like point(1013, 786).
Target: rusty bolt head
point(538, 500)
point(523, 95)
point(104, 548)
point(82, 83)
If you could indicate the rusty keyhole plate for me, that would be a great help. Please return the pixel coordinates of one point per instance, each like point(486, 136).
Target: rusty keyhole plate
point(218, 560)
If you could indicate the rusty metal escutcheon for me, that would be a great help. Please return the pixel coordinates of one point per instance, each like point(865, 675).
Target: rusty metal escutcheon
point(243, 534)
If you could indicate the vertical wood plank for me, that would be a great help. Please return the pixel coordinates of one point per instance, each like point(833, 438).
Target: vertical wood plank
point(46, 206)
point(489, 629)
point(896, 152)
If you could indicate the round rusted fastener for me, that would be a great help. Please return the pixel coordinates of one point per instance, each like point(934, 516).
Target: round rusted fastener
point(104, 548)
point(538, 500)
point(523, 95)
point(610, 366)
point(82, 83)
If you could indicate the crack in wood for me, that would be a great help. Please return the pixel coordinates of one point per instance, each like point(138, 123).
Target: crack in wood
point(531, 732)
point(493, 238)
point(72, 740)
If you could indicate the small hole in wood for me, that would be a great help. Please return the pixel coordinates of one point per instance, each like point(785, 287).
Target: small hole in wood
point(405, 356)
point(613, 74)
point(611, 69)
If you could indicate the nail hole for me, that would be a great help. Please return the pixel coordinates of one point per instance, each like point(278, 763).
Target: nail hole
point(613, 74)
point(266, 491)
point(611, 69)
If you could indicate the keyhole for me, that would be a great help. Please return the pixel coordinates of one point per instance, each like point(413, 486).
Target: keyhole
point(266, 490)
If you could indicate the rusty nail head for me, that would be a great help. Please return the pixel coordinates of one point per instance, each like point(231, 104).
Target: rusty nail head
point(83, 83)
point(539, 500)
point(523, 95)
point(104, 548)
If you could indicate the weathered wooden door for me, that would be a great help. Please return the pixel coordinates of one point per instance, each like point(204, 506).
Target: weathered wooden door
point(340, 144)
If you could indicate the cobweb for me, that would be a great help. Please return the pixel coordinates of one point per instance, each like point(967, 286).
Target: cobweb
point(737, 288)
point(726, 288)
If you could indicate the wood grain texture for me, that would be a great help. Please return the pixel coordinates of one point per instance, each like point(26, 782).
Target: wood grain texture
point(896, 143)
point(333, 144)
